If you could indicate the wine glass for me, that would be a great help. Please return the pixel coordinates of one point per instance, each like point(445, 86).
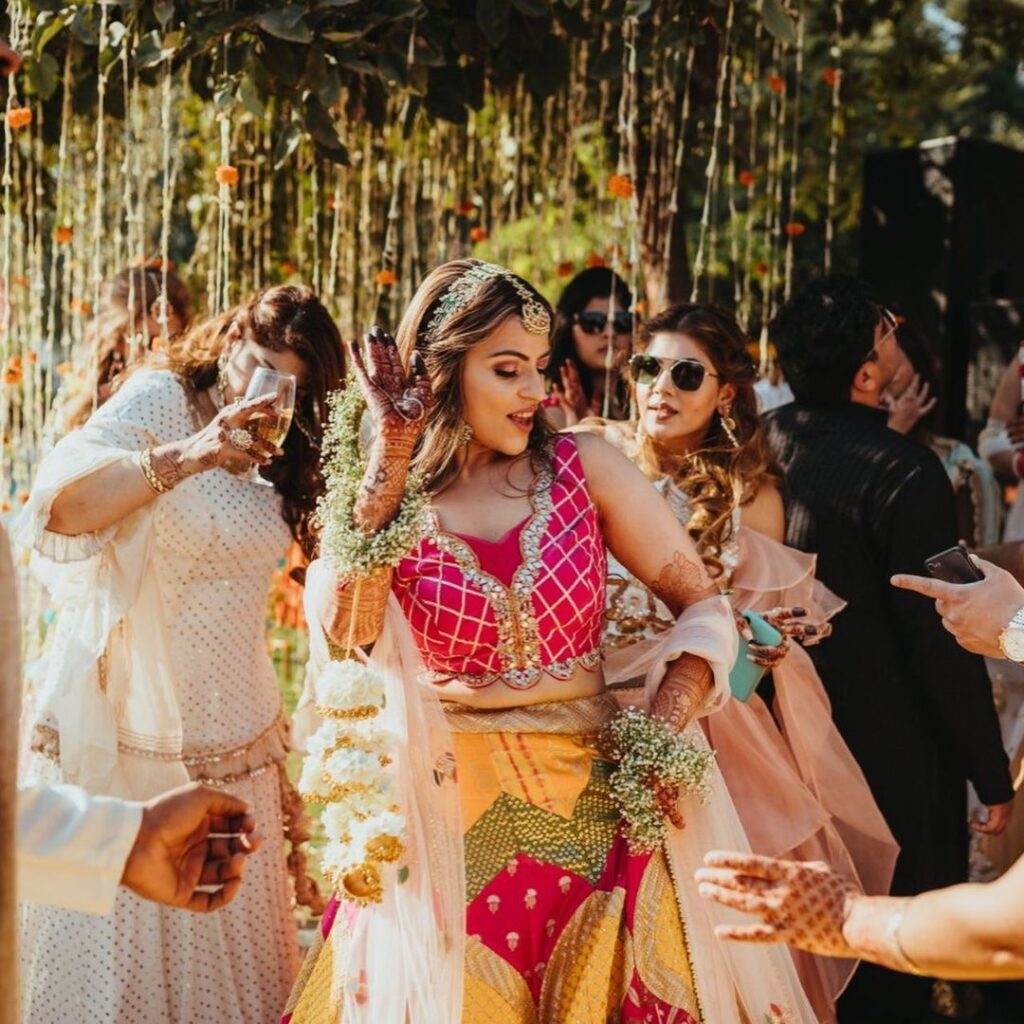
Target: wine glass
point(272, 425)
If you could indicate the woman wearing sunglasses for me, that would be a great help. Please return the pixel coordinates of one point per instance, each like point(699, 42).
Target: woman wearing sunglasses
point(590, 342)
point(795, 784)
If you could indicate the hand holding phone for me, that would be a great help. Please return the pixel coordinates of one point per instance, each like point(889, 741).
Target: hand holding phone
point(953, 566)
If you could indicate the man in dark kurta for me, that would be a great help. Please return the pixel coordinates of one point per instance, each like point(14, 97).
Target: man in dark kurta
point(915, 708)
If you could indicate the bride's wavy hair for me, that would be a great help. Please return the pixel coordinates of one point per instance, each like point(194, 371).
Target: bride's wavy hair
point(717, 476)
point(439, 451)
point(286, 317)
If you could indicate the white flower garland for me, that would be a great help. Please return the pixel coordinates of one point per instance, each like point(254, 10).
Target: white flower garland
point(349, 767)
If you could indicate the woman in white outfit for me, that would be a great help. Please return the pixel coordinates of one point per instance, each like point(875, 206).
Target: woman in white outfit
point(156, 527)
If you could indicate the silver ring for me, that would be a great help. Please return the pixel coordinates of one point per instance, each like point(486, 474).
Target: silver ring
point(419, 415)
point(241, 439)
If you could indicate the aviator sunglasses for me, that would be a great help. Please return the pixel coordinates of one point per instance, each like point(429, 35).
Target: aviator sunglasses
point(686, 374)
point(594, 322)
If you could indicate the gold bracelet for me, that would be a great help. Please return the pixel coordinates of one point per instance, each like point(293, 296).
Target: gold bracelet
point(145, 461)
point(895, 921)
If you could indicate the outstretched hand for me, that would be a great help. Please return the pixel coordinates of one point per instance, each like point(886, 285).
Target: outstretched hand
point(803, 904)
point(398, 401)
point(191, 849)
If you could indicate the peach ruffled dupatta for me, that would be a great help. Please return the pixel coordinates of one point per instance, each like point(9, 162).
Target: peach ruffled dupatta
point(796, 786)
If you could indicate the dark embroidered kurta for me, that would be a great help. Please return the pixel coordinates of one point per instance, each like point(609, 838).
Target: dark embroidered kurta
point(915, 708)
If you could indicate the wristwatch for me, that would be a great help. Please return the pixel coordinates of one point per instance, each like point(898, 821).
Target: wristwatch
point(1011, 640)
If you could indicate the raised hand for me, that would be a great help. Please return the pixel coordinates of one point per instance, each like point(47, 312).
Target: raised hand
point(910, 406)
point(570, 394)
point(398, 401)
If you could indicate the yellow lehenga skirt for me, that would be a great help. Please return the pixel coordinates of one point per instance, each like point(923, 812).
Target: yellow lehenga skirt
point(563, 922)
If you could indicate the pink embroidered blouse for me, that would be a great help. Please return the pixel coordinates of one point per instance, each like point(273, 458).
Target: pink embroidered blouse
point(511, 610)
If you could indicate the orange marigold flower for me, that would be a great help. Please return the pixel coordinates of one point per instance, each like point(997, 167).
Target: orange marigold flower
point(478, 233)
point(830, 76)
point(794, 228)
point(5, 506)
point(64, 368)
point(226, 175)
point(640, 307)
point(19, 281)
point(23, 497)
point(32, 357)
point(63, 234)
point(19, 117)
point(621, 186)
point(288, 268)
point(745, 178)
point(12, 377)
point(565, 269)
point(158, 264)
point(14, 363)
point(81, 307)
point(776, 84)
point(761, 268)
point(465, 207)
point(386, 277)
point(594, 260)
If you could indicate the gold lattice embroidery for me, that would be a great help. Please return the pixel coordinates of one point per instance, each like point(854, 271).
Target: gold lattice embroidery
point(584, 981)
point(659, 945)
point(510, 826)
point(495, 992)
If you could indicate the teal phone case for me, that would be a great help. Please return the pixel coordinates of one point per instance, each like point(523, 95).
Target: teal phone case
point(745, 675)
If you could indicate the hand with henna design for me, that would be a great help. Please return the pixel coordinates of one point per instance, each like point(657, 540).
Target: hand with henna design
point(399, 404)
point(211, 447)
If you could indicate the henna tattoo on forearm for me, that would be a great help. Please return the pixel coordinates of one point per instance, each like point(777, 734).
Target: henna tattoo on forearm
point(682, 582)
point(383, 485)
point(684, 689)
point(169, 465)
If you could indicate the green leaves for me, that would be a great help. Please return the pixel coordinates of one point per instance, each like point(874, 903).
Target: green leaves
point(151, 51)
point(44, 74)
point(777, 21)
point(287, 23)
point(492, 18)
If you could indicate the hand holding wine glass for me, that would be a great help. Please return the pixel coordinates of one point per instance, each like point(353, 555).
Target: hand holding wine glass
point(270, 425)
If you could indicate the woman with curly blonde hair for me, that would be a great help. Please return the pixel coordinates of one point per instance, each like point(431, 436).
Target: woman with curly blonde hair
point(795, 784)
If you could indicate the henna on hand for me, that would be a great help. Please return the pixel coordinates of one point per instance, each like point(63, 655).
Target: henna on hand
point(682, 582)
point(686, 685)
point(399, 404)
point(803, 904)
point(170, 464)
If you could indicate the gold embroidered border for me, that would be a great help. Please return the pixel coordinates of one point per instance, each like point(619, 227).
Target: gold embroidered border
point(581, 717)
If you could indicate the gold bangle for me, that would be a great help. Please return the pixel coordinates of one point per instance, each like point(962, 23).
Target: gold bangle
point(895, 922)
point(145, 461)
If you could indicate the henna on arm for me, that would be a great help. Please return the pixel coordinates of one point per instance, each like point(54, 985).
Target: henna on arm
point(383, 485)
point(682, 582)
point(169, 463)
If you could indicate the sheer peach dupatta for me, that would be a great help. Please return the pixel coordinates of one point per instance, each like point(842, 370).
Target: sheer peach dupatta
point(402, 960)
point(796, 763)
point(737, 983)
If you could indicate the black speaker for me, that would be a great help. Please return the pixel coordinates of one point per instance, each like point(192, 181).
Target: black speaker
point(942, 243)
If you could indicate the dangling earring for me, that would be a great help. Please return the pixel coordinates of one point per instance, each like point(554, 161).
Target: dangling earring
point(729, 426)
point(465, 435)
point(222, 378)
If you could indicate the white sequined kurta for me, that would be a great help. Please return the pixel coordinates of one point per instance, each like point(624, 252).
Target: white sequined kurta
point(195, 566)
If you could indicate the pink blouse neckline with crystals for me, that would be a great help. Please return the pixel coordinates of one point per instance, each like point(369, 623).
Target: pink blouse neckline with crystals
point(512, 610)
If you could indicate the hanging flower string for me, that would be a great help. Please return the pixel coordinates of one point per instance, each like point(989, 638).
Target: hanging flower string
point(350, 761)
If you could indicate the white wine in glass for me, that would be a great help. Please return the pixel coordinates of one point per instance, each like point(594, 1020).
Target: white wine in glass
point(273, 425)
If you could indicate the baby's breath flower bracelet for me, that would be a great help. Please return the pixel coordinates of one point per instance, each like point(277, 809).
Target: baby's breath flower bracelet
point(651, 755)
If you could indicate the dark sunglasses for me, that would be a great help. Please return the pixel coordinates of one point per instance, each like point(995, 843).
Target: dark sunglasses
point(595, 323)
point(686, 374)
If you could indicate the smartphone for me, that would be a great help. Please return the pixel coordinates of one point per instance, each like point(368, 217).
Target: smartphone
point(745, 675)
point(953, 566)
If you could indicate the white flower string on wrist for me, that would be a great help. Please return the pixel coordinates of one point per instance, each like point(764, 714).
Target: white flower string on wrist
point(652, 758)
point(349, 768)
point(343, 544)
